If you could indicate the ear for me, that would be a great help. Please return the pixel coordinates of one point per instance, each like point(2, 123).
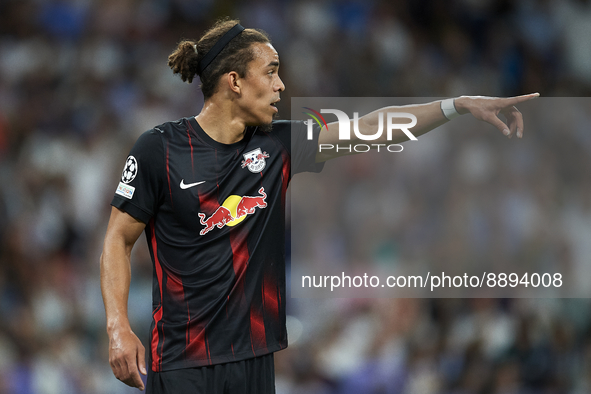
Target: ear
point(234, 82)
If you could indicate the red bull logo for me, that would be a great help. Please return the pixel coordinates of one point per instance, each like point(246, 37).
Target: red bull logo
point(233, 211)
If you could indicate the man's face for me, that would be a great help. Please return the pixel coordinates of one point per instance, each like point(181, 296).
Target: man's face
point(261, 86)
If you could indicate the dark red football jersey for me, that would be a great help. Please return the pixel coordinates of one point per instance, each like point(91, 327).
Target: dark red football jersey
point(215, 225)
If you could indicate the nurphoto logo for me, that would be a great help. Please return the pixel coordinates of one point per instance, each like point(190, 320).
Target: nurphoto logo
point(392, 123)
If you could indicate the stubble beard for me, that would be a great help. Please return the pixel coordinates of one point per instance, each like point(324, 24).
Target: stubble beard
point(267, 127)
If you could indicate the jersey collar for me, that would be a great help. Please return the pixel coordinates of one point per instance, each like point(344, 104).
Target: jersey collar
point(218, 145)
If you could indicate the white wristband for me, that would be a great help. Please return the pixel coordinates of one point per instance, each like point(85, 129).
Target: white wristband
point(449, 109)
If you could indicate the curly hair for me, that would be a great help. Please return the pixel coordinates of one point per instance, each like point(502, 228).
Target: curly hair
point(234, 57)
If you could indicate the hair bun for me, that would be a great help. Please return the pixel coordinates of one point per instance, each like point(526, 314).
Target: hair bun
point(183, 60)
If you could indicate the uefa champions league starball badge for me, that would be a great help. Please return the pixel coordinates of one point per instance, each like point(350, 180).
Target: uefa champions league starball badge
point(130, 170)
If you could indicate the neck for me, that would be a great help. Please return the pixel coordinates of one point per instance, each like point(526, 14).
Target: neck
point(220, 122)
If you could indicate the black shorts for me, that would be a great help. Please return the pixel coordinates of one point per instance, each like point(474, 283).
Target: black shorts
point(252, 376)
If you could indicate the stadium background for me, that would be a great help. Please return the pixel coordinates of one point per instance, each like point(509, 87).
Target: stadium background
point(81, 79)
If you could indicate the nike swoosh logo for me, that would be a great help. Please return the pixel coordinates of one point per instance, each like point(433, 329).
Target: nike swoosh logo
point(185, 186)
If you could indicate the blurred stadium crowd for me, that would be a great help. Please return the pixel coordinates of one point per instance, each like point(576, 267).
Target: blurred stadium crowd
point(81, 79)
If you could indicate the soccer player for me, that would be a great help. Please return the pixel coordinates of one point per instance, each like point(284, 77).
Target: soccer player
point(209, 193)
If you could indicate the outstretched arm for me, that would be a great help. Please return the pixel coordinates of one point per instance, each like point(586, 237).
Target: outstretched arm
point(430, 116)
point(126, 352)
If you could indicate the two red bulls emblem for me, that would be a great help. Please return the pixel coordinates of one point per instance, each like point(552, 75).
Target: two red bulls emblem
point(233, 211)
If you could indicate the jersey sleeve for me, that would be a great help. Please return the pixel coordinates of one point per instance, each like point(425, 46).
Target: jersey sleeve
point(140, 190)
point(293, 135)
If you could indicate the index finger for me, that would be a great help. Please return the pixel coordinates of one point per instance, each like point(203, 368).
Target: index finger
point(136, 381)
point(509, 101)
point(134, 375)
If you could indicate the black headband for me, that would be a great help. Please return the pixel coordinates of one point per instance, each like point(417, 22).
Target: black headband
point(217, 48)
